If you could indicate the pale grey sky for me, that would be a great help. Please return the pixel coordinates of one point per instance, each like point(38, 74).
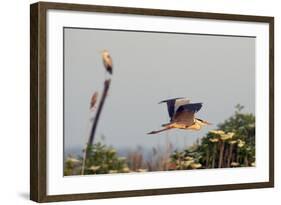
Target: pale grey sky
point(149, 67)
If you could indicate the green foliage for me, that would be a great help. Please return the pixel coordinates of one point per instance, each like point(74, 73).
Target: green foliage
point(244, 127)
point(187, 159)
point(72, 166)
point(103, 160)
point(232, 145)
point(242, 124)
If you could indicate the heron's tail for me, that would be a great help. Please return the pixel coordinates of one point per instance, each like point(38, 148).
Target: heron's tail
point(157, 131)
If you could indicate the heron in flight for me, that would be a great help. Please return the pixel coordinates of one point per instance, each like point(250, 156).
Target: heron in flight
point(107, 61)
point(182, 115)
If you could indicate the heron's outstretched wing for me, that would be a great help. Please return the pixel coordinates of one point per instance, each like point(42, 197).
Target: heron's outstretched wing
point(170, 105)
point(191, 107)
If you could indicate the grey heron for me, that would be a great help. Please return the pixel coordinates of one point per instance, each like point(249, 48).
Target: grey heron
point(94, 100)
point(107, 61)
point(182, 115)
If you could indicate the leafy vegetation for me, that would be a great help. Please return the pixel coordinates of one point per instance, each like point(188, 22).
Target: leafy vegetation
point(101, 160)
point(231, 145)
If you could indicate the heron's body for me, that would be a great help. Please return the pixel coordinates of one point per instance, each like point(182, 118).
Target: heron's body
point(182, 115)
point(94, 100)
point(107, 61)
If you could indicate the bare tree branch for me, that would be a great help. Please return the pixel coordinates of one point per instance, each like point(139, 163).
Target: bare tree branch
point(95, 123)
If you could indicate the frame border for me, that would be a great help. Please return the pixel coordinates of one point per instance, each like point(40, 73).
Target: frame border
point(38, 112)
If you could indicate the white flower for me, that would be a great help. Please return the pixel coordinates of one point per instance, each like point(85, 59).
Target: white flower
point(188, 158)
point(214, 139)
point(94, 168)
point(217, 132)
point(73, 160)
point(196, 165)
point(188, 163)
point(142, 170)
point(234, 164)
point(112, 171)
point(241, 143)
point(231, 134)
point(227, 136)
point(126, 169)
point(232, 142)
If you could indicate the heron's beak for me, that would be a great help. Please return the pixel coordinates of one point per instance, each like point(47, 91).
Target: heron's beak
point(208, 123)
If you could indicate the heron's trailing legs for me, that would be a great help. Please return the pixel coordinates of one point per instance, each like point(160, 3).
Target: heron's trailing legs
point(162, 130)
